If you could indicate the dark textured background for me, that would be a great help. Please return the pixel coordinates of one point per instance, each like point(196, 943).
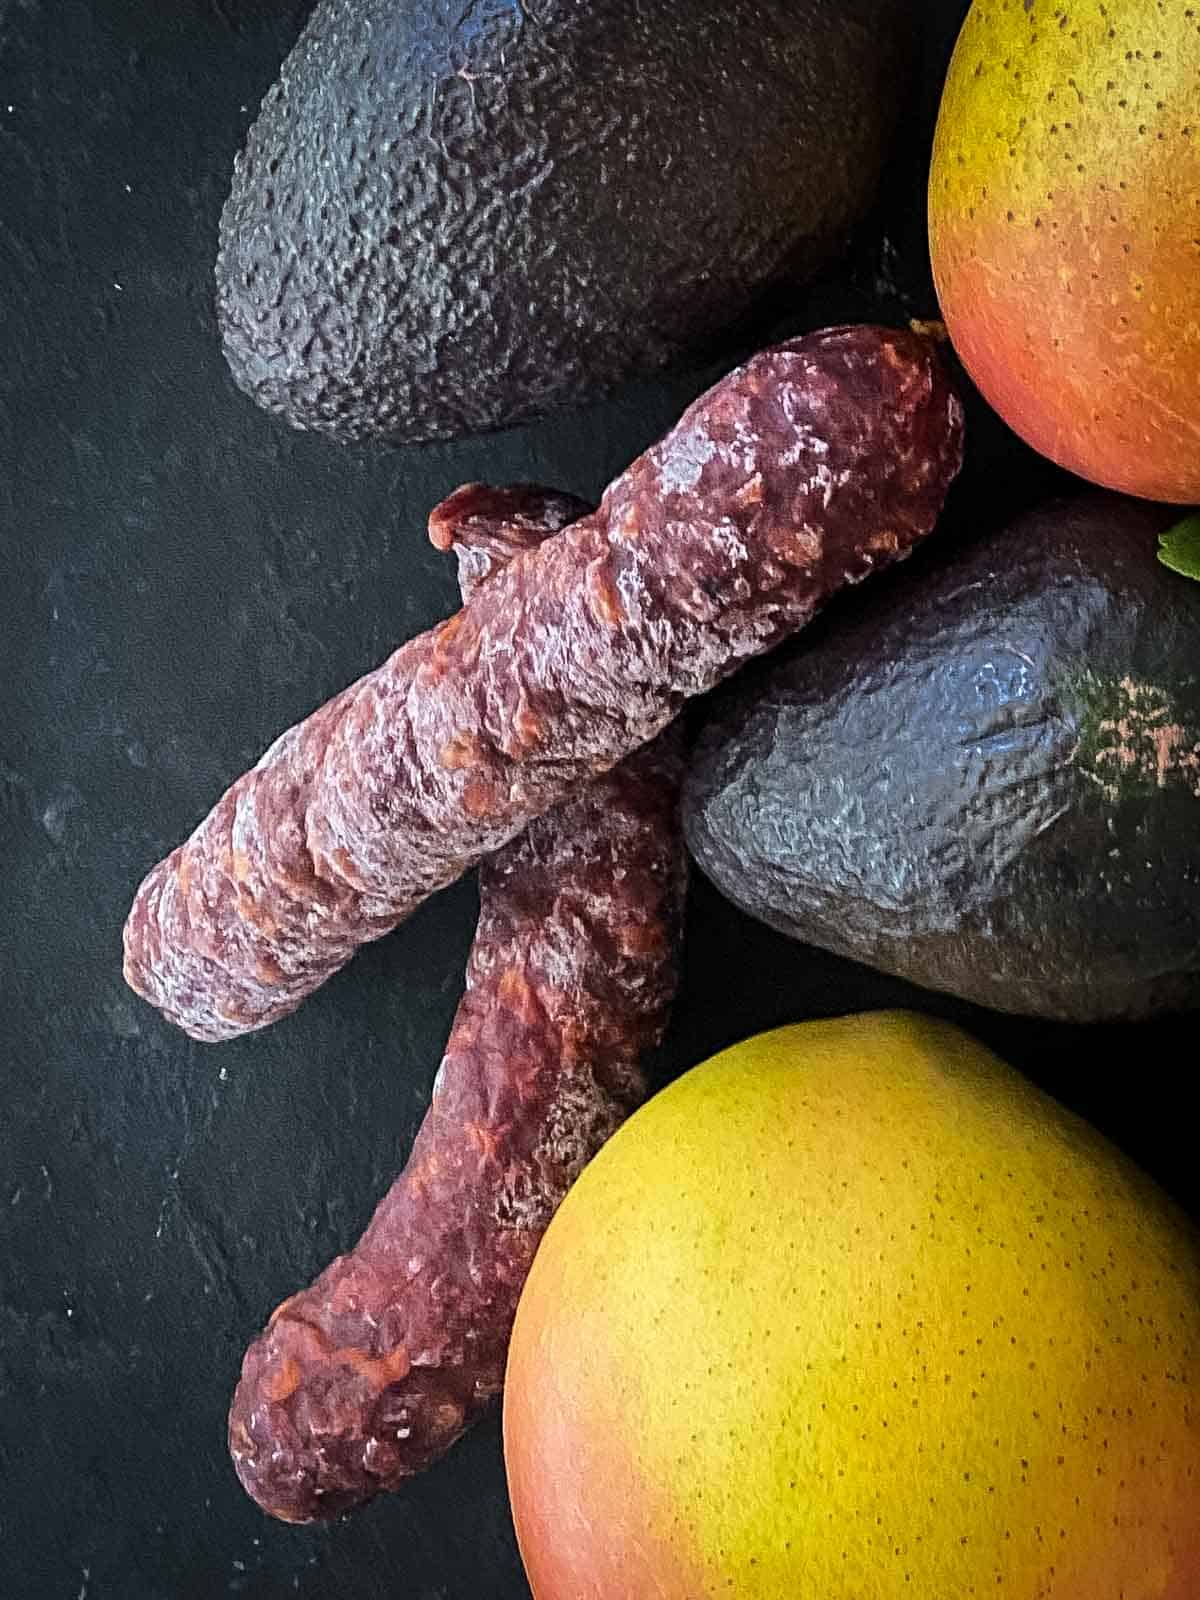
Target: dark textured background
point(182, 578)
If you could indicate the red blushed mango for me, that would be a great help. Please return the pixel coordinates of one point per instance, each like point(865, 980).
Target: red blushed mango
point(853, 1312)
point(1064, 212)
point(594, 1523)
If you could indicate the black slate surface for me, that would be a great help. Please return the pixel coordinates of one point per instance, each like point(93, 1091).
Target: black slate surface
point(182, 578)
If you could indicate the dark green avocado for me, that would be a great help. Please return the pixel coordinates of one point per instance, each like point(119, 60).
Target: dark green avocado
point(454, 215)
point(984, 775)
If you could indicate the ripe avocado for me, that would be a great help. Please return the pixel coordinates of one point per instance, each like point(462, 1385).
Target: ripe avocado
point(984, 776)
point(451, 217)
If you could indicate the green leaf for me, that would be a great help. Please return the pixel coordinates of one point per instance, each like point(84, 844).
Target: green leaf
point(1179, 547)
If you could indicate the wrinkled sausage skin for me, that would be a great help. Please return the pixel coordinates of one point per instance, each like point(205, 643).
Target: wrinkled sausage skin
point(370, 1374)
point(804, 470)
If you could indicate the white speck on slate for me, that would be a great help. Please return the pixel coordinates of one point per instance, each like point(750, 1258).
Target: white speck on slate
point(122, 1019)
point(53, 822)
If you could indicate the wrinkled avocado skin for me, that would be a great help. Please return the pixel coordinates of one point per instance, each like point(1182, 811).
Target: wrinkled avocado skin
point(982, 775)
point(452, 217)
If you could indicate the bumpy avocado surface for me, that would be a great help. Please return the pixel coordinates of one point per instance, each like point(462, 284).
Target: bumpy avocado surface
point(984, 776)
point(453, 215)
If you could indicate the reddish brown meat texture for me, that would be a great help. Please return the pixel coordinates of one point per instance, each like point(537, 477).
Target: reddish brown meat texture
point(371, 1373)
point(803, 471)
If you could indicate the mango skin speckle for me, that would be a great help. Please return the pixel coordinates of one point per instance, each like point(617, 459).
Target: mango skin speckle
point(1064, 215)
point(852, 1312)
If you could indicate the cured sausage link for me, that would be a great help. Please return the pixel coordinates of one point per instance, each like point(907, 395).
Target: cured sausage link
point(370, 1374)
point(813, 464)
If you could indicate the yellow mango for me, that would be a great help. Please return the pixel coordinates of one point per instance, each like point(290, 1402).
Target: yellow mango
point(853, 1312)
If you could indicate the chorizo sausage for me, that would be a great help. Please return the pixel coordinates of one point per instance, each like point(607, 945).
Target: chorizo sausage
point(372, 1372)
point(814, 463)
